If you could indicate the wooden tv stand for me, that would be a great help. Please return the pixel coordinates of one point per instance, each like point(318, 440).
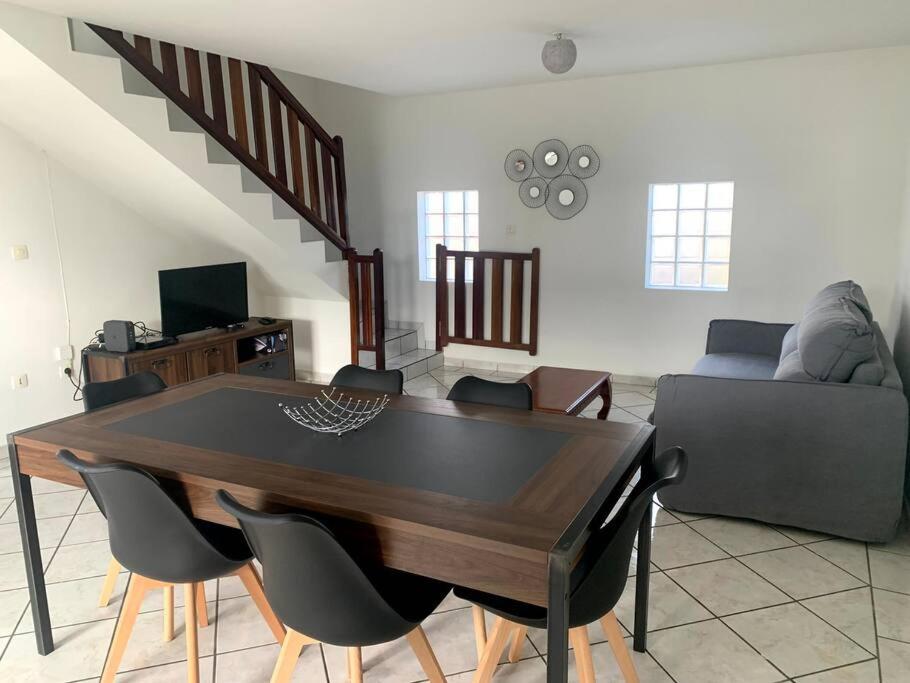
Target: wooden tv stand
point(198, 355)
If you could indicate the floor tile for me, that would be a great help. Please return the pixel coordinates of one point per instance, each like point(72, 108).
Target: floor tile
point(641, 412)
point(256, 665)
point(864, 672)
point(848, 555)
point(12, 571)
point(154, 599)
point(479, 369)
point(88, 506)
point(147, 648)
point(800, 573)
point(438, 391)
point(526, 671)
point(740, 536)
point(685, 516)
point(619, 415)
point(230, 587)
point(890, 571)
point(709, 652)
point(892, 615)
point(668, 605)
point(448, 378)
point(452, 602)
point(86, 528)
point(422, 382)
point(12, 606)
point(80, 654)
point(168, 673)
point(726, 586)
point(6, 487)
point(631, 398)
point(795, 640)
point(76, 602)
point(48, 486)
point(849, 612)
point(606, 668)
point(900, 545)
point(50, 533)
point(894, 660)
point(79, 561)
point(677, 545)
point(49, 505)
point(241, 625)
point(801, 535)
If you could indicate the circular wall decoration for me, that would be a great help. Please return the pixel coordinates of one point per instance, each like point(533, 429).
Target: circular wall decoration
point(566, 196)
point(550, 158)
point(583, 162)
point(533, 192)
point(519, 165)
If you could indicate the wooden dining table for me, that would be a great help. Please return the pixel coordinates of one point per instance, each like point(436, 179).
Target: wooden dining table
point(496, 499)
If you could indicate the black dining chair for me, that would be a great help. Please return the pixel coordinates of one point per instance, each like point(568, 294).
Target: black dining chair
point(323, 595)
point(97, 395)
point(472, 389)
point(597, 582)
point(356, 377)
point(162, 546)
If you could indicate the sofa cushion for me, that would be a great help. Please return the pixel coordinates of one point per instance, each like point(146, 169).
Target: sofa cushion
point(839, 290)
point(791, 368)
point(789, 343)
point(870, 372)
point(833, 339)
point(736, 366)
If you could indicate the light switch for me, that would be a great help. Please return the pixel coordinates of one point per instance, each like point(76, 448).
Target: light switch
point(19, 381)
point(20, 252)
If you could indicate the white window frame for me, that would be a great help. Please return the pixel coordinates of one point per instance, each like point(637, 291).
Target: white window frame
point(704, 259)
point(422, 255)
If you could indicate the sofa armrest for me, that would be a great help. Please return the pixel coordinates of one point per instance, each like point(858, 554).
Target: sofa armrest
point(746, 336)
point(824, 456)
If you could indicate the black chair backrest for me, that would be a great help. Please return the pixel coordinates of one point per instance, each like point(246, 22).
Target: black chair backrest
point(312, 583)
point(600, 576)
point(100, 394)
point(149, 533)
point(356, 377)
point(472, 389)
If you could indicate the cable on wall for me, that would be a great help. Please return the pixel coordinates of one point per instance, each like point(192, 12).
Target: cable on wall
point(50, 194)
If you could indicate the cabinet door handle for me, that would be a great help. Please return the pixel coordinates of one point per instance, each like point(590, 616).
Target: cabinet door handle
point(161, 363)
point(214, 351)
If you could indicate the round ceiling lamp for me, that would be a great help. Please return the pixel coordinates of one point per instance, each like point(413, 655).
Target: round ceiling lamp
point(559, 54)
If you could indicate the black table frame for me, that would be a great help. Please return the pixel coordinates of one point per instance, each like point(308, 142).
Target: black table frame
point(561, 558)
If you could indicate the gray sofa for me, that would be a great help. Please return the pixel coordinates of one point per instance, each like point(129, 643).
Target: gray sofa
point(802, 425)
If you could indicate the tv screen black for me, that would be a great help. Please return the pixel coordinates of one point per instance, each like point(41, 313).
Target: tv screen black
point(197, 298)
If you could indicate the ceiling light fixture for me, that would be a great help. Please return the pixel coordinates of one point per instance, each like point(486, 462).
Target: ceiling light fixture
point(558, 55)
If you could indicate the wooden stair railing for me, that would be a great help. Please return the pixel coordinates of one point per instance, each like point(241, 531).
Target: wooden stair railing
point(249, 117)
point(366, 292)
point(478, 334)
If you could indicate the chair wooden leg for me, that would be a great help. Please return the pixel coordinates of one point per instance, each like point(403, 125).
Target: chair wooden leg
point(253, 584)
point(584, 663)
point(168, 613)
point(131, 604)
point(618, 645)
point(113, 571)
point(355, 665)
point(480, 631)
point(518, 641)
point(287, 659)
point(425, 655)
point(192, 633)
point(202, 610)
point(495, 645)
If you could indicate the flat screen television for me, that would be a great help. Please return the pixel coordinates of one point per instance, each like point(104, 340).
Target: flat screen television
point(194, 299)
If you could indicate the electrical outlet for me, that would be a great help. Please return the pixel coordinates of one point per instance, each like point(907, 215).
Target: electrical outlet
point(63, 353)
point(20, 252)
point(19, 381)
point(65, 369)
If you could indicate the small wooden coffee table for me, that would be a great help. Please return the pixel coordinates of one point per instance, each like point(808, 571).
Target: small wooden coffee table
point(568, 392)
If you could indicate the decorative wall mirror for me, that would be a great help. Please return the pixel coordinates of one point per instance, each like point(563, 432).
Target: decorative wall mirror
point(552, 176)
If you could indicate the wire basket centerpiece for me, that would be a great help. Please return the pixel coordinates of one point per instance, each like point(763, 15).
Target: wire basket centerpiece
point(333, 413)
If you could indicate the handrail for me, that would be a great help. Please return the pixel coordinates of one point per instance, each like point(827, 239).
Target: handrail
point(478, 336)
point(366, 293)
point(319, 194)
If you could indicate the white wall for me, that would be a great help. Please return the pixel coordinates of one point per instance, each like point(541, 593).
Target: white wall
point(902, 290)
point(811, 142)
point(110, 258)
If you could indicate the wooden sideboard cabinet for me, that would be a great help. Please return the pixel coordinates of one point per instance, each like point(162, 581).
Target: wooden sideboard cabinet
point(202, 354)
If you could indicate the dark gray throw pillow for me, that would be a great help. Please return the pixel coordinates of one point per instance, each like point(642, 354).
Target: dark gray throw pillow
point(834, 338)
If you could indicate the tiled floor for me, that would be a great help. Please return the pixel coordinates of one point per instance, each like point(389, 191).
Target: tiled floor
point(732, 601)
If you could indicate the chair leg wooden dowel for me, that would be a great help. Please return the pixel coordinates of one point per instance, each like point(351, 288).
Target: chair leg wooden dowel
point(202, 610)
point(131, 604)
point(618, 645)
point(110, 581)
point(253, 584)
point(287, 659)
point(355, 665)
point(496, 643)
point(168, 634)
point(584, 663)
point(518, 641)
point(192, 633)
point(480, 631)
point(425, 655)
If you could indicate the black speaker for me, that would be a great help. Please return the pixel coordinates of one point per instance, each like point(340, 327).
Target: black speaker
point(119, 335)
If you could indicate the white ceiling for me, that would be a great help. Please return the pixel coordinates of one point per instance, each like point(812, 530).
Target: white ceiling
point(417, 46)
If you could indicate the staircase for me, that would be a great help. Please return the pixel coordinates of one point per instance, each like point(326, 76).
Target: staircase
point(402, 352)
